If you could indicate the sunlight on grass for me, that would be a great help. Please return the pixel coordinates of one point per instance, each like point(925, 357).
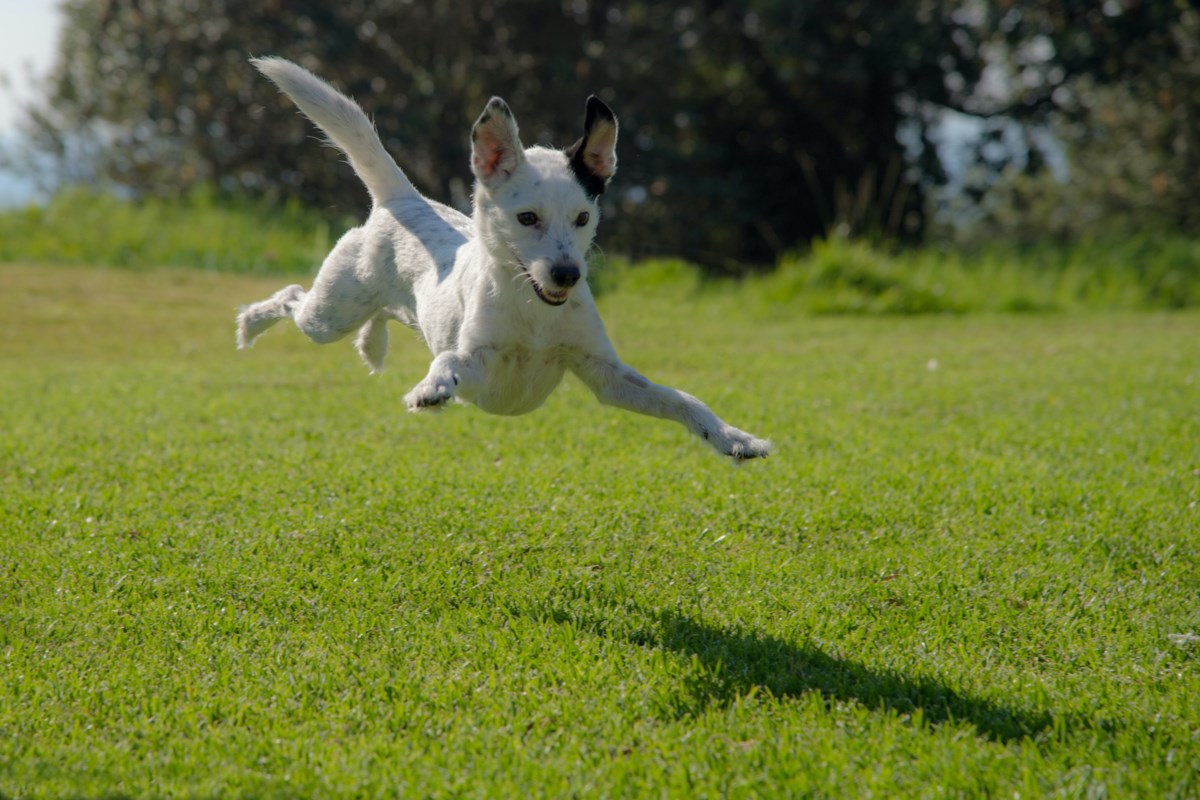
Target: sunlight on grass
point(966, 570)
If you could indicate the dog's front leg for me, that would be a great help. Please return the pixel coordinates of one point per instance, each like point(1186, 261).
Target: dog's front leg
point(618, 384)
point(448, 371)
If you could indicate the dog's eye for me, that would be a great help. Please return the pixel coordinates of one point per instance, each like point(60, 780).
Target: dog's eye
point(527, 218)
point(582, 219)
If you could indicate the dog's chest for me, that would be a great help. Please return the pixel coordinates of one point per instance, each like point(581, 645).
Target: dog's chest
point(518, 378)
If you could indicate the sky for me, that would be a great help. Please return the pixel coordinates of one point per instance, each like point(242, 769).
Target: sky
point(28, 32)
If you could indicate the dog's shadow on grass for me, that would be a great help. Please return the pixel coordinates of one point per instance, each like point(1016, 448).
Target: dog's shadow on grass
point(735, 663)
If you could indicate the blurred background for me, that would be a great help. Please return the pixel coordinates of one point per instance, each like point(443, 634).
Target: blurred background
point(749, 128)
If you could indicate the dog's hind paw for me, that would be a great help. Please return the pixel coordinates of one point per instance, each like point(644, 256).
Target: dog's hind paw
point(248, 328)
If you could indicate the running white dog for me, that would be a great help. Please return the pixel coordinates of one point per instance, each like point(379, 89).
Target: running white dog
point(468, 285)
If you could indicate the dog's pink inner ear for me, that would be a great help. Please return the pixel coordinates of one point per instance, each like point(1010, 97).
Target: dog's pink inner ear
point(600, 151)
point(496, 150)
point(492, 155)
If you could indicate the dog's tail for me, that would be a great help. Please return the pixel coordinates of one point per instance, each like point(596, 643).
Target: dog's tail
point(344, 123)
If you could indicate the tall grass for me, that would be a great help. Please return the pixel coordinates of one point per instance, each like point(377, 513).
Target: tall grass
point(198, 230)
point(839, 276)
point(836, 276)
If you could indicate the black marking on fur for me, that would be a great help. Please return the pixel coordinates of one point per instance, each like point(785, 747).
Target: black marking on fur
point(498, 104)
point(592, 184)
point(597, 109)
point(495, 105)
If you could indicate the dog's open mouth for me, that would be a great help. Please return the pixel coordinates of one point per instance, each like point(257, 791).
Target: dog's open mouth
point(549, 296)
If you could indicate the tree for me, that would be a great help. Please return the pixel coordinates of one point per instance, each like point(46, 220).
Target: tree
point(1125, 105)
point(748, 126)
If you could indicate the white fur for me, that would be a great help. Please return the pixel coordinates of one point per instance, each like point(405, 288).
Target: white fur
point(480, 290)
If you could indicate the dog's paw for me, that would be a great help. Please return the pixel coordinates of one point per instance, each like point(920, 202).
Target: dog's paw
point(428, 395)
point(739, 445)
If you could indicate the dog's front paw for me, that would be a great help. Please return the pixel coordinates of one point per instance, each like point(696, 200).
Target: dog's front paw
point(428, 395)
point(739, 445)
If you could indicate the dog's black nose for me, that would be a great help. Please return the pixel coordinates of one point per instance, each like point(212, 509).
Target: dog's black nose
point(565, 275)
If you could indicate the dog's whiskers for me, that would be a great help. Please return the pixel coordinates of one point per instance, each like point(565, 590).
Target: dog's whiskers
point(527, 279)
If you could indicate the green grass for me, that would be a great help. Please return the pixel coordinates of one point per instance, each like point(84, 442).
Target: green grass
point(1111, 272)
point(841, 277)
point(1115, 271)
point(968, 570)
point(199, 230)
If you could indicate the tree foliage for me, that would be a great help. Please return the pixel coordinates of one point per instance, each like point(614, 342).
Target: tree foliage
point(748, 126)
point(1128, 118)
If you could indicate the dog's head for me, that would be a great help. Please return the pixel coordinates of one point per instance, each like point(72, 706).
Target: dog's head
point(536, 209)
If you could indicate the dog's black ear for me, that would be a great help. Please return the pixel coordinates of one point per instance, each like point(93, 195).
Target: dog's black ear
point(594, 157)
point(496, 149)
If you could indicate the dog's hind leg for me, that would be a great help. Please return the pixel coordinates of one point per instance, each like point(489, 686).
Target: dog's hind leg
point(255, 318)
point(372, 342)
point(342, 298)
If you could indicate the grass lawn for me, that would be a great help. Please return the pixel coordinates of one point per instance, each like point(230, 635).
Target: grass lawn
point(972, 567)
